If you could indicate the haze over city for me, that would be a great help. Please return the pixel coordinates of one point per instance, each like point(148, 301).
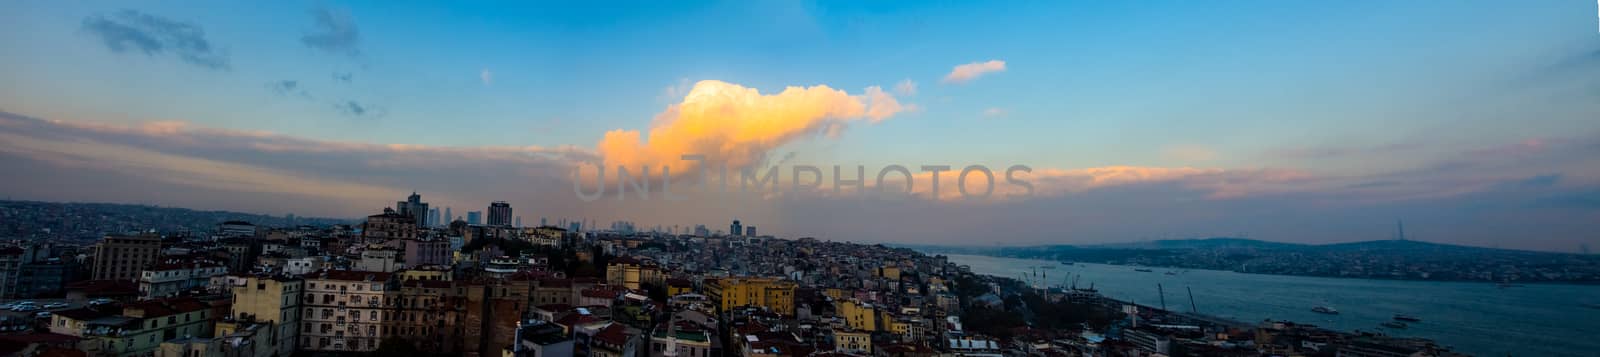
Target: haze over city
point(1295, 122)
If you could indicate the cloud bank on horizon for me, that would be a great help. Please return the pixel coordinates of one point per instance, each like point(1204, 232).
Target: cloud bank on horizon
point(1124, 142)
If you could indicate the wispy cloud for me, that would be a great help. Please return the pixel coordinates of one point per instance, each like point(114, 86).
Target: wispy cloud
point(676, 91)
point(287, 88)
point(335, 32)
point(994, 112)
point(968, 72)
point(175, 162)
point(345, 77)
point(327, 177)
point(134, 31)
point(906, 88)
point(356, 109)
point(486, 76)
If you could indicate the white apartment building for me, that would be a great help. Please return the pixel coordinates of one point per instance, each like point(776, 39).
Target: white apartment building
point(168, 278)
point(343, 311)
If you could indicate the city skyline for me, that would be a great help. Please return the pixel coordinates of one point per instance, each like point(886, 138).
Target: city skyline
point(1306, 122)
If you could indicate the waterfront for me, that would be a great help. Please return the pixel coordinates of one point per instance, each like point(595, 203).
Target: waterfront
point(1474, 318)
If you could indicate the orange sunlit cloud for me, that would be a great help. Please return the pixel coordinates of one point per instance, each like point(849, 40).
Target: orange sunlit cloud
point(737, 126)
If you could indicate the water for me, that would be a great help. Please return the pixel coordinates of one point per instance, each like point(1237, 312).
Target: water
point(1475, 318)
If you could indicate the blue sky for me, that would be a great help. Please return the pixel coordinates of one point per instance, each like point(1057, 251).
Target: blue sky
point(1391, 87)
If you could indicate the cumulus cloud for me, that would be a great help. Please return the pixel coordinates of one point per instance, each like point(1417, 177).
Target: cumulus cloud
point(737, 126)
point(968, 72)
point(335, 32)
point(134, 31)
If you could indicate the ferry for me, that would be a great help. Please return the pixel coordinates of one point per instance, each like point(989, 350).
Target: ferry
point(1406, 318)
point(1142, 270)
point(1393, 324)
point(1325, 310)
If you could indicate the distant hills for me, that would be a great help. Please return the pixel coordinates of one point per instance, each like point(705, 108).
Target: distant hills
point(1230, 243)
point(1379, 259)
point(88, 221)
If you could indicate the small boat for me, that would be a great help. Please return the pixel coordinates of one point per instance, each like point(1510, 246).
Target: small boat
point(1393, 324)
point(1142, 270)
point(1172, 273)
point(1325, 310)
point(1406, 318)
point(1066, 263)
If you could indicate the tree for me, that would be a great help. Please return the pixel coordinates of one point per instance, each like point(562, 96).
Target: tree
point(656, 293)
point(991, 322)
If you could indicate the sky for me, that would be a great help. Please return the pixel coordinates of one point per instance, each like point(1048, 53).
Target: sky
point(1474, 122)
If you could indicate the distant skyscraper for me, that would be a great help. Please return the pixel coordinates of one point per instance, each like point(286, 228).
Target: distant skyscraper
point(414, 207)
point(735, 228)
point(519, 222)
point(543, 222)
point(448, 217)
point(499, 213)
point(700, 230)
point(573, 227)
point(433, 217)
point(474, 217)
point(750, 231)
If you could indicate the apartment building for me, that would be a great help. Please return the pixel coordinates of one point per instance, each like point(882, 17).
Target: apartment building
point(274, 301)
point(344, 311)
point(430, 314)
point(169, 278)
point(771, 293)
point(124, 257)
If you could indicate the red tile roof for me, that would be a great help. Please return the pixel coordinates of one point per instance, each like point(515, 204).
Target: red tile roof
point(604, 292)
point(613, 334)
point(555, 283)
point(575, 319)
point(41, 338)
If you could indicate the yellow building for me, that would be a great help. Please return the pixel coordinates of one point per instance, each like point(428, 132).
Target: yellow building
point(432, 274)
point(677, 287)
point(835, 293)
point(139, 330)
point(889, 272)
point(271, 300)
point(772, 293)
point(860, 316)
point(909, 329)
point(852, 341)
point(623, 271)
point(632, 273)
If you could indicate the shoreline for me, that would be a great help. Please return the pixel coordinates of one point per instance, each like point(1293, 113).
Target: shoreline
point(1542, 282)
